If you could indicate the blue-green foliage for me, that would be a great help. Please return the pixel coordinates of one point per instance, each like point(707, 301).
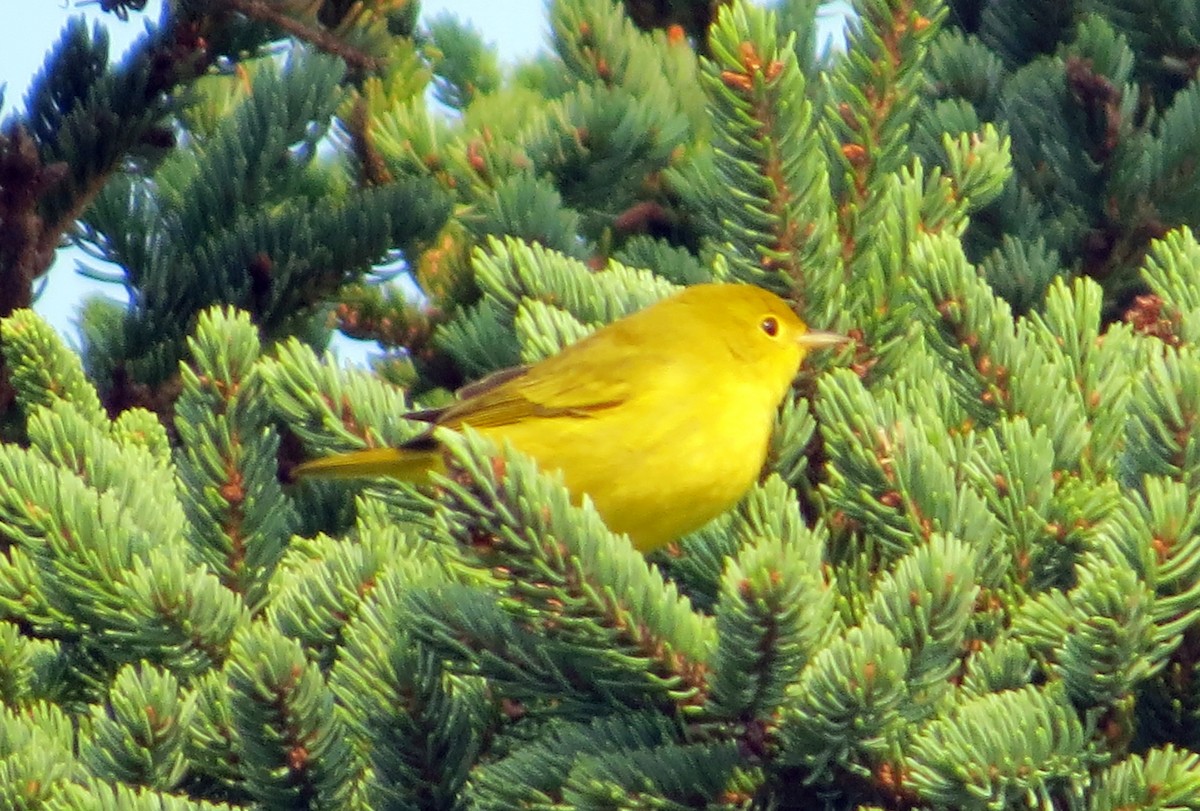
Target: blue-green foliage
point(968, 578)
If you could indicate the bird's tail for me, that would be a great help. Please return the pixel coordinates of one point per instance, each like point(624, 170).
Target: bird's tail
point(399, 463)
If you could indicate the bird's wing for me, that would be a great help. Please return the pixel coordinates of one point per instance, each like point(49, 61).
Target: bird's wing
point(572, 384)
point(438, 416)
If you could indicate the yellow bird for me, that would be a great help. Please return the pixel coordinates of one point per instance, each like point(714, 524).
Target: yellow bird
point(662, 418)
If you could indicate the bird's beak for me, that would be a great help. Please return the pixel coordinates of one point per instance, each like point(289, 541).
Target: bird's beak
point(816, 339)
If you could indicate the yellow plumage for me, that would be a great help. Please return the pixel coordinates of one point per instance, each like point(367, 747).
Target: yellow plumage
point(663, 417)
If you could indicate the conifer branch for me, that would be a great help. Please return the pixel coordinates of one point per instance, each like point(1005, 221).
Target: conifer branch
point(969, 575)
point(360, 62)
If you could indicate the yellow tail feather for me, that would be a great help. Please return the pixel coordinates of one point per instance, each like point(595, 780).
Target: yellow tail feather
point(407, 465)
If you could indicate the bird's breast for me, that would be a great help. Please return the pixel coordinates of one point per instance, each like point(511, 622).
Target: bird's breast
point(656, 468)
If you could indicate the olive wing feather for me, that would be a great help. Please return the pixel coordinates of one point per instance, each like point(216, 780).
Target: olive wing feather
point(574, 383)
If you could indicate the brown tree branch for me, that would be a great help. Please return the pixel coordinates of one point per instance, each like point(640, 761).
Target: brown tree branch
point(361, 63)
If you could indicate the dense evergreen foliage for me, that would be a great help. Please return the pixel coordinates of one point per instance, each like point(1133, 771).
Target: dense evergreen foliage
point(968, 578)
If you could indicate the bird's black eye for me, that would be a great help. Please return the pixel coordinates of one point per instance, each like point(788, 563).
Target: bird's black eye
point(770, 325)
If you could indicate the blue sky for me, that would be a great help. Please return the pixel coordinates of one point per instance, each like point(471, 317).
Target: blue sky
point(518, 28)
